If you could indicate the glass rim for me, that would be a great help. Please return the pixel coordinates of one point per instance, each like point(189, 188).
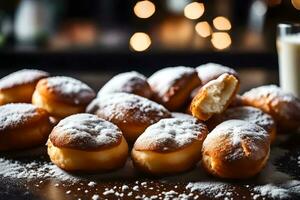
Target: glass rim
point(288, 25)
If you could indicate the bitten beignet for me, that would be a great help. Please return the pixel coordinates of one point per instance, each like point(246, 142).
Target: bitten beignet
point(169, 146)
point(214, 97)
point(84, 142)
point(236, 149)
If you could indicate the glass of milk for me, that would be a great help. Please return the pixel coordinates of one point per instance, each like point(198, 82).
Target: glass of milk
point(288, 48)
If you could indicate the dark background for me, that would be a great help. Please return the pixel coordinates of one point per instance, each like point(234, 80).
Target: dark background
point(116, 17)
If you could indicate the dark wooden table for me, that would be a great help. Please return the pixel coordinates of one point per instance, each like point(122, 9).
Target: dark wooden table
point(282, 172)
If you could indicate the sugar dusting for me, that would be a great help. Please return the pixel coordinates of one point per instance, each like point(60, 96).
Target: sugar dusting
point(22, 77)
point(290, 104)
point(237, 131)
point(271, 183)
point(118, 105)
point(247, 113)
point(171, 134)
point(70, 88)
point(124, 82)
point(16, 114)
point(270, 92)
point(86, 129)
point(209, 71)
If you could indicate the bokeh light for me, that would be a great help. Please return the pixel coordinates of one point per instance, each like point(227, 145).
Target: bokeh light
point(144, 9)
point(222, 23)
point(140, 41)
point(221, 40)
point(203, 29)
point(176, 32)
point(296, 4)
point(194, 10)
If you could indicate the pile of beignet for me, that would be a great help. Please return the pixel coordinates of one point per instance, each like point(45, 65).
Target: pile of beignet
point(170, 121)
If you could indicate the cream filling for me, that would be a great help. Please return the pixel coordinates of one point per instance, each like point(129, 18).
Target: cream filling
point(218, 94)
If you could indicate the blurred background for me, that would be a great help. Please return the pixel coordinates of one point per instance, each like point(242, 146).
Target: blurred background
point(110, 36)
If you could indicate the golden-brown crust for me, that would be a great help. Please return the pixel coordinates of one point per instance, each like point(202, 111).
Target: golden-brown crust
point(131, 113)
point(58, 110)
point(204, 104)
point(282, 106)
point(247, 113)
point(18, 87)
point(65, 90)
point(235, 150)
point(62, 96)
point(170, 135)
point(169, 146)
point(85, 132)
point(23, 126)
point(174, 91)
point(101, 160)
point(129, 82)
point(167, 163)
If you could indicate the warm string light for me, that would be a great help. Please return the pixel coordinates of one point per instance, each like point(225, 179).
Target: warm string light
point(296, 4)
point(144, 9)
point(194, 10)
point(222, 23)
point(203, 29)
point(140, 41)
point(221, 40)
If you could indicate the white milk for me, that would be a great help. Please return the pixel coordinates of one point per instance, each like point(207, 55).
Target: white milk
point(289, 63)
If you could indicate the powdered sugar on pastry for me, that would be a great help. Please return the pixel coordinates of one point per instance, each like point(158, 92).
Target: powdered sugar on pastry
point(70, 88)
point(118, 105)
point(85, 131)
point(238, 132)
point(167, 77)
point(22, 77)
point(270, 92)
point(124, 82)
point(171, 134)
point(290, 105)
point(247, 113)
point(12, 115)
point(211, 71)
